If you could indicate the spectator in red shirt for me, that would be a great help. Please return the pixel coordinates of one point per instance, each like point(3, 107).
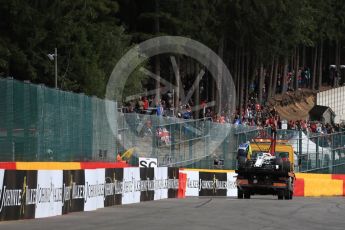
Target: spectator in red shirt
point(146, 103)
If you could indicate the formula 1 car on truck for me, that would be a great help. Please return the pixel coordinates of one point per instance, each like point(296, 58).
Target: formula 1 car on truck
point(265, 166)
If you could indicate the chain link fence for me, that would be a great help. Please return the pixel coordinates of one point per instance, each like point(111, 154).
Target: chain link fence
point(314, 152)
point(38, 123)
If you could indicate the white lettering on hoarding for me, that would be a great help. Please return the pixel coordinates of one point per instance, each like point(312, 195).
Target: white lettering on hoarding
point(11, 197)
point(30, 196)
point(40, 195)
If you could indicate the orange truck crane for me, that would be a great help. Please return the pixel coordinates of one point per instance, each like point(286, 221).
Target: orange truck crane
point(125, 156)
point(265, 166)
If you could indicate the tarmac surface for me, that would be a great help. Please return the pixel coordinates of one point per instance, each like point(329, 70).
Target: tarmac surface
point(260, 212)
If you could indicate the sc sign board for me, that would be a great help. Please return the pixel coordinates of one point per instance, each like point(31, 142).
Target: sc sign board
point(147, 162)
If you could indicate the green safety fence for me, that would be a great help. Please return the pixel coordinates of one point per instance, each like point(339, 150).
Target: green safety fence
point(38, 123)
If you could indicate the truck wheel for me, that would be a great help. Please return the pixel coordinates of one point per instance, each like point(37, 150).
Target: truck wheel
point(290, 188)
point(280, 195)
point(246, 195)
point(239, 194)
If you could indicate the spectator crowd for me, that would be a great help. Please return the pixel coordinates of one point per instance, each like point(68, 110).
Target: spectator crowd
point(254, 114)
point(251, 114)
point(257, 115)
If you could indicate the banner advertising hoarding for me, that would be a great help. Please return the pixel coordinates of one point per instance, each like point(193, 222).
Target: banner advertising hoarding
point(49, 193)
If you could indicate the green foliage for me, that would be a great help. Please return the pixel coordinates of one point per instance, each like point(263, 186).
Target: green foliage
point(91, 36)
point(87, 34)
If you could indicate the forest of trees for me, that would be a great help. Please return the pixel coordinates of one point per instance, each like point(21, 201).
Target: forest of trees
point(258, 40)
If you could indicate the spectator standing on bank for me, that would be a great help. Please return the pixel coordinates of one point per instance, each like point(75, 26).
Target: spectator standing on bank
point(160, 109)
point(307, 77)
point(146, 103)
point(141, 105)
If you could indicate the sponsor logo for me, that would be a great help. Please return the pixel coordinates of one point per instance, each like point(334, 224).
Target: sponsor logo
point(214, 184)
point(10, 197)
point(122, 187)
point(51, 193)
point(147, 162)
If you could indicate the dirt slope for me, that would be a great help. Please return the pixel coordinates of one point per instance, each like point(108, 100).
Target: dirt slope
point(294, 105)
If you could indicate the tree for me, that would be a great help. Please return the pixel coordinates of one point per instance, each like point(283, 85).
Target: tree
point(255, 39)
point(87, 34)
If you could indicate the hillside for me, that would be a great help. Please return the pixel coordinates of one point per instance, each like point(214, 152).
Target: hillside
point(294, 105)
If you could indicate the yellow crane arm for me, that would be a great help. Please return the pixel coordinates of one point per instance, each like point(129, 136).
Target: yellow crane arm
point(128, 153)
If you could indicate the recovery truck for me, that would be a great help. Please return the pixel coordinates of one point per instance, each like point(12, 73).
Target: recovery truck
point(265, 166)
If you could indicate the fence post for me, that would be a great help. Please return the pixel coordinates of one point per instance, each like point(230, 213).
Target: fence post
point(208, 138)
point(317, 153)
point(13, 151)
point(300, 142)
point(205, 138)
point(333, 155)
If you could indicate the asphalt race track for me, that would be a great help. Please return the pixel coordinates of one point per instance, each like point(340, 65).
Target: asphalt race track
point(261, 212)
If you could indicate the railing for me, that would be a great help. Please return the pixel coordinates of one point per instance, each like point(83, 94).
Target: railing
point(313, 151)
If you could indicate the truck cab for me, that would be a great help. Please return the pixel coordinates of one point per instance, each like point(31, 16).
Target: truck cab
point(263, 170)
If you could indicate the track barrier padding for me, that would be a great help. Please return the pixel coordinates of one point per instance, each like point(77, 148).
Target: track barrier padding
point(27, 194)
point(317, 185)
point(7, 165)
point(340, 177)
point(182, 185)
point(299, 187)
point(44, 189)
point(61, 165)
